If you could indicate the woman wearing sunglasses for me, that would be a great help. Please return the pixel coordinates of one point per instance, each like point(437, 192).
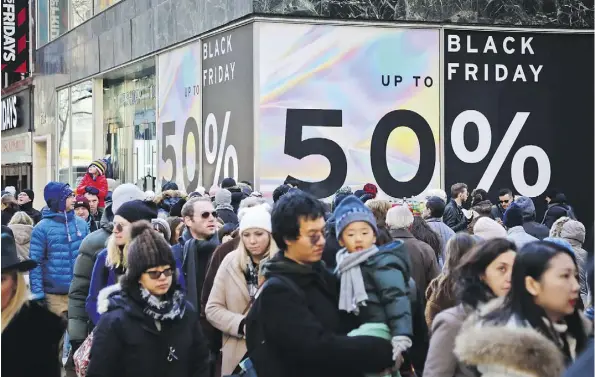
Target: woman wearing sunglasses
point(148, 328)
point(112, 262)
point(236, 283)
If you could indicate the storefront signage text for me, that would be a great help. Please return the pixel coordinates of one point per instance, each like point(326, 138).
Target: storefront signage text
point(15, 28)
point(10, 113)
point(134, 96)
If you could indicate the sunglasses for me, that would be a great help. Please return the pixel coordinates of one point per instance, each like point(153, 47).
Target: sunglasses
point(118, 227)
point(205, 215)
point(504, 201)
point(157, 274)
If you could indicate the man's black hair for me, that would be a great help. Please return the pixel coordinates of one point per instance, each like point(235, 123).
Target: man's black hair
point(436, 207)
point(505, 191)
point(280, 191)
point(248, 183)
point(287, 213)
point(292, 181)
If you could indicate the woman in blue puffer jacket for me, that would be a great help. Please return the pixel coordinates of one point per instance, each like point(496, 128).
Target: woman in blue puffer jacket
point(55, 243)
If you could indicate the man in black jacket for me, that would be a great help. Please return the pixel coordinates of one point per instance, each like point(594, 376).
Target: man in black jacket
point(505, 198)
point(453, 213)
point(25, 200)
point(295, 327)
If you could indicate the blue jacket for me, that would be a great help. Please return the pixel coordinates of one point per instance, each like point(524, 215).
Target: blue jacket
point(55, 251)
point(104, 276)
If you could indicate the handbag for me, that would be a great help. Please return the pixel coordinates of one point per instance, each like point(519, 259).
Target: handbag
point(82, 356)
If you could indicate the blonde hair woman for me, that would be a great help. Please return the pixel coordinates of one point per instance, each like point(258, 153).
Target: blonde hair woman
point(22, 227)
point(23, 322)
point(236, 283)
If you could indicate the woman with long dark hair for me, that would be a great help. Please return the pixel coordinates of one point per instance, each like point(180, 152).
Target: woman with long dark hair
point(484, 273)
point(536, 329)
point(423, 232)
point(441, 293)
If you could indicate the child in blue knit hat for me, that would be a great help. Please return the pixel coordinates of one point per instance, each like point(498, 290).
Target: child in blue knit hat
point(374, 281)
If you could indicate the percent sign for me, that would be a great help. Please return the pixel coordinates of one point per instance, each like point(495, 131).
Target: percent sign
point(218, 151)
point(483, 148)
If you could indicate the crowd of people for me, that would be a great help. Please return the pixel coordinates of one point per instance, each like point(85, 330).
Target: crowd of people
point(108, 280)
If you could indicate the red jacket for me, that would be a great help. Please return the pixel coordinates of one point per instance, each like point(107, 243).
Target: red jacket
point(100, 183)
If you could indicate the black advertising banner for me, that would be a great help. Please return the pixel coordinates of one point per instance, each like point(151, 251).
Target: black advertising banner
point(15, 32)
point(519, 114)
point(228, 106)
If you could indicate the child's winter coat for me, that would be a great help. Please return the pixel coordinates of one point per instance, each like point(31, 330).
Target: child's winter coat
point(99, 183)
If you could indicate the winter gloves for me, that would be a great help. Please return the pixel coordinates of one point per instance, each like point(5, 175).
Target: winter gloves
point(92, 190)
point(400, 345)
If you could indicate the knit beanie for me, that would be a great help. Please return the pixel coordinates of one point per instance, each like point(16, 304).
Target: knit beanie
point(170, 185)
point(399, 217)
point(11, 190)
point(137, 210)
point(29, 193)
point(222, 198)
point(100, 165)
point(147, 249)
point(55, 195)
point(163, 227)
point(488, 229)
point(81, 201)
point(513, 216)
point(228, 182)
point(371, 189)
point(255, 217)
point(352, 210)
point(125, 193)
point(527, 207)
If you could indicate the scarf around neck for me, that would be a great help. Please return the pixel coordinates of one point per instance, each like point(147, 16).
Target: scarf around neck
point(353, 291)
point(163, 310)
point(221, 206)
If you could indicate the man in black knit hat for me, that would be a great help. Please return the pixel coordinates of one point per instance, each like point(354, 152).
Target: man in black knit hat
point(25, 200)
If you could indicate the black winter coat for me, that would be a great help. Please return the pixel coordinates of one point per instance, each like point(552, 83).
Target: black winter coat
point(228, 216)
point(34, 214)
point(556, 210)
point(126, 343)
point(78, 319)
point(537, 230)
point(454, 217)
point(30, 343)
point(304, 334)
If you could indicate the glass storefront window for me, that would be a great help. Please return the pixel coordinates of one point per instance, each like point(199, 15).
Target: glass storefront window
point(75, 132)
point(63, 134)
point(129, 105)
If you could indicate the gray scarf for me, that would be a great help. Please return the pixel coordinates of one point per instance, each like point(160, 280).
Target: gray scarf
point(221, 206)
point(353, 291)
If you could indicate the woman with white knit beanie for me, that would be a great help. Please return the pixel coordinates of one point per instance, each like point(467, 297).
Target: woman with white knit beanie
point(236, 283)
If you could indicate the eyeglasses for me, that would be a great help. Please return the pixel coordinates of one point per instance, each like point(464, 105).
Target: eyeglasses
point(157, 274)
point(205, 215)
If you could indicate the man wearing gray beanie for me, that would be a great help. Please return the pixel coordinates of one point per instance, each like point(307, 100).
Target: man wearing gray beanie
point(83, 268)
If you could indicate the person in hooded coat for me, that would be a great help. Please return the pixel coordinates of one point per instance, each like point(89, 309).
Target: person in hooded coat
point(78, 319)
point(25, 200)
point(168, 199)
point(147, 328)
point(224, 209)
point(574, 232)
point(531, 226)
point(22, 228)
point(55, 244)
point(9, 208)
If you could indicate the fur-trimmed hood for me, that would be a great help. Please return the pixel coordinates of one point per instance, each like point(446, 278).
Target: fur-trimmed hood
point(508, 350)
point(103, 298)
point(168, 194)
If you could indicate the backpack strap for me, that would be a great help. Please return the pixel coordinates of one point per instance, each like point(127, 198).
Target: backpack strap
point(284, 280)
